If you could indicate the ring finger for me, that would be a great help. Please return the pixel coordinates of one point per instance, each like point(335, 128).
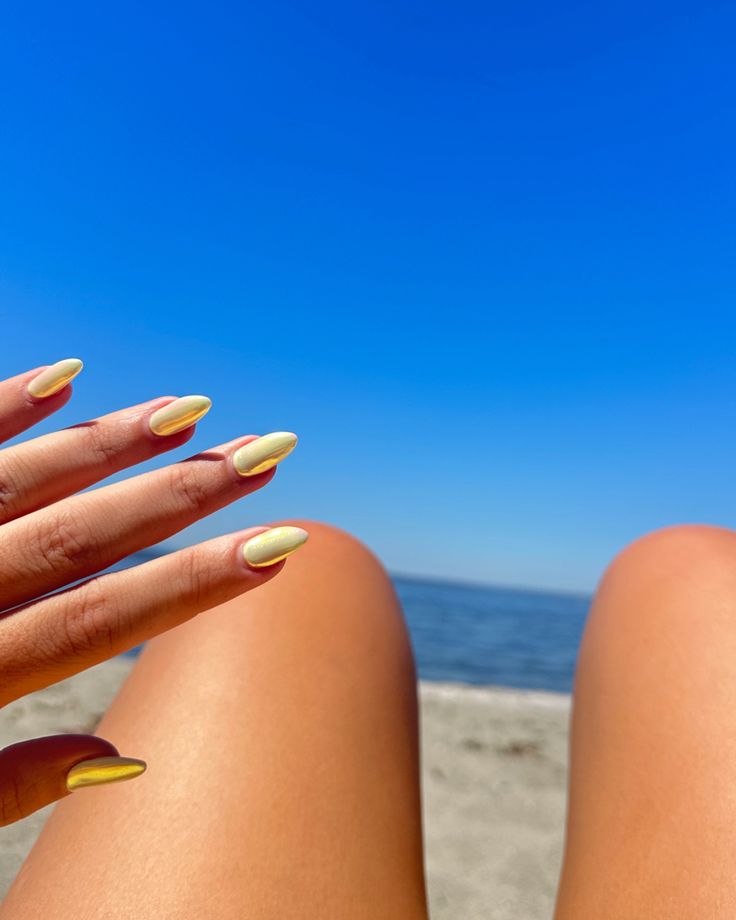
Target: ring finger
point(51, 467)
point(83, 534)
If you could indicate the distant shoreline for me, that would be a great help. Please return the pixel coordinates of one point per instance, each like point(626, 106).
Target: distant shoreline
point(492, 586)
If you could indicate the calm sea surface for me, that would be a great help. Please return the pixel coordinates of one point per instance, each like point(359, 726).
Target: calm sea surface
point(503, 636)
point(480, 635)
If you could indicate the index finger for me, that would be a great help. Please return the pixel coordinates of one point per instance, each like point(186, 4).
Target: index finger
point(33, 395)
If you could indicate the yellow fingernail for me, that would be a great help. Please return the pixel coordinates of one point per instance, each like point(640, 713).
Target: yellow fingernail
point(101, 770)
point(263, 453)
point(273, 545)
point(179, 414)
point(54, 378)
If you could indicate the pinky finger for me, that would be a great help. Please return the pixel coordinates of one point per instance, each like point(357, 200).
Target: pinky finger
point(37, 772)
point(51, 639)
point(32, 396)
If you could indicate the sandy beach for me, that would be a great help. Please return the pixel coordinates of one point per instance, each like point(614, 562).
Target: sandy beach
point(494, 772)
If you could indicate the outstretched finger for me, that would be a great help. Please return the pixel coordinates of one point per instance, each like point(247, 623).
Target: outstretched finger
point(32, 396)
point(43, 470)
point(62, 634)
point(40, 771)
point(83, 534)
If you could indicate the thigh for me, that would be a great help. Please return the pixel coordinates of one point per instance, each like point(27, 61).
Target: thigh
point(280, 732)
point(652, 807)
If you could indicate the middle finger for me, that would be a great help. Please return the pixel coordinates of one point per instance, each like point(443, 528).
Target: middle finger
point(43, 470)
point(86, 533)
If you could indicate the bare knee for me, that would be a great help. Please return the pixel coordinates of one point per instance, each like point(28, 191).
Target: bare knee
point(335, 551)
point(674, 558)
point(331, 613)
point(662, 588)
point(334, 542)
point(357, 610)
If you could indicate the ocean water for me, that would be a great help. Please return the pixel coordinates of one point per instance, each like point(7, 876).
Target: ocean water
point(485, 635)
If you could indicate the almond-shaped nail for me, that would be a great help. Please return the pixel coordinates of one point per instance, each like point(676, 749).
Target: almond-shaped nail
point(263, 453)
point(273, 545)
point(179, 414)
point(54, 378)
point(101, 770)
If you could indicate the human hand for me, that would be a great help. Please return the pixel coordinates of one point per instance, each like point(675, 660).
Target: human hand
point(51, 538)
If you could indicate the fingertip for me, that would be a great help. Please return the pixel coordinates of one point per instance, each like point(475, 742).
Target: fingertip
point(54, 378)
point(33, 773)
point(98, 771)
point(51, 403)
point(176, 437)
point(273, 545)
point(178, 415)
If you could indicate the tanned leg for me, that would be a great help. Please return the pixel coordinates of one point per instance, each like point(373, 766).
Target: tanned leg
point(652, 811)
point(280, 731)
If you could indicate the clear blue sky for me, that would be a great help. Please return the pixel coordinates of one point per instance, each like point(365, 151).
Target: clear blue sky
point(479, 256)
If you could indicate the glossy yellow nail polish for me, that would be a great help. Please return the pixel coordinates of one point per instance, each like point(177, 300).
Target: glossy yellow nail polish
point(54, 378)
point(101, 770)
point(273, 545)
point(179, 414)
point(263, 453)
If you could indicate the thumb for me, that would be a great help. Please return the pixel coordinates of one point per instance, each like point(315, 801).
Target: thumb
point(37, 772)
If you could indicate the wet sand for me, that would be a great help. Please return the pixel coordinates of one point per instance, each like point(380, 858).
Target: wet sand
point(494, 769)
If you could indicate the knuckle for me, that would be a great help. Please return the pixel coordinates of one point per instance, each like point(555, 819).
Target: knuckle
point(66, 542)
point(8, 497)
point(91, 622)
point(189, 488)
point(17, 481)
point(98, 442)
point(195, 577)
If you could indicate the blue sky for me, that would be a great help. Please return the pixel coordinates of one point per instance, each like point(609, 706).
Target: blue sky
point(479, 256)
